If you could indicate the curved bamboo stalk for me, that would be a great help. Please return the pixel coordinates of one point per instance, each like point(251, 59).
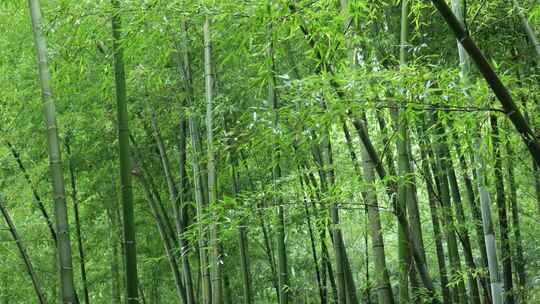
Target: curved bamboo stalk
point(499, 89)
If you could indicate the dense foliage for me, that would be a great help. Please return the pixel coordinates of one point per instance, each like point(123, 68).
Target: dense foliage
point(279, 152)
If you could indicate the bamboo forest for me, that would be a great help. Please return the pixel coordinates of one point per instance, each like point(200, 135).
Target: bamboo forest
point(270, 151)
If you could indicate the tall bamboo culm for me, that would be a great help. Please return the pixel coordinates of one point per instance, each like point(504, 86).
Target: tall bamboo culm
point(487, 223)
point(65, 264)
point(130, 253)
point(215, 261)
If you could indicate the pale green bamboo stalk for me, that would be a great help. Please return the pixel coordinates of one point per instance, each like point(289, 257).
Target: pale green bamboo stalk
point(487, 224)
point(55, 159)
point(183, 133)
point(405, 203)
point(216, 267)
